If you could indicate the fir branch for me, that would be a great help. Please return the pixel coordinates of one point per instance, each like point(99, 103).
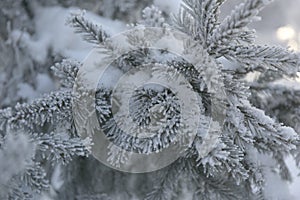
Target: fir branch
point(255, 182)
point(152, 17)
point(269, 136)
point(91, 32)
point(218, 187)
point(263, 96)
point(163, 189)
point(102, 104)
point(5, 115)
point(66, 71)
point(226, 156)
point(211, 17)
point(199, 18)
point(18, 193)
point(286, 108)
point(35, 177)
point(283, 168)
point(59, 147)
point(234, 26)
point(209, 188)
point(117, 156)
point(262, 58)
point(55, 107)
point(185, 23)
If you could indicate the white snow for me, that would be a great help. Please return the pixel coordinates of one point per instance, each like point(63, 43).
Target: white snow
point(275, 187)
point(288, 83)
point(26, 91)
point(168, 5)
point(294, 187)
point(53, 33)
point(44, 83)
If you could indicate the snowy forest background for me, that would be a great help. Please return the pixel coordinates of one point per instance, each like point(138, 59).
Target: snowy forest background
point(35, 38)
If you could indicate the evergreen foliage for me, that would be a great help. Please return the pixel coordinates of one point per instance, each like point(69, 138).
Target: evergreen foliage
point(38, 136)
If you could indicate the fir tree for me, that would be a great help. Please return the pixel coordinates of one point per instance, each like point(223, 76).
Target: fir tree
point(39, 139)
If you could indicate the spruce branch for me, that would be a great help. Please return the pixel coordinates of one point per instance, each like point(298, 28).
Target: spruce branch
point(91, 32)
point(218, 187)
point(166, 184)
point(235, 25)
point(262, 58)
point(66, 71)
point(226, 156)
point(269, 136)
point(184, 22)
point(199, 18)
point(211, 17)
point(18, 193)
point(152, 17)
point(283, 168)
point(285, 95)
point(55, 107)
point(256, 181)
point(35, 177)
point(59, 147)
point(286, 108)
